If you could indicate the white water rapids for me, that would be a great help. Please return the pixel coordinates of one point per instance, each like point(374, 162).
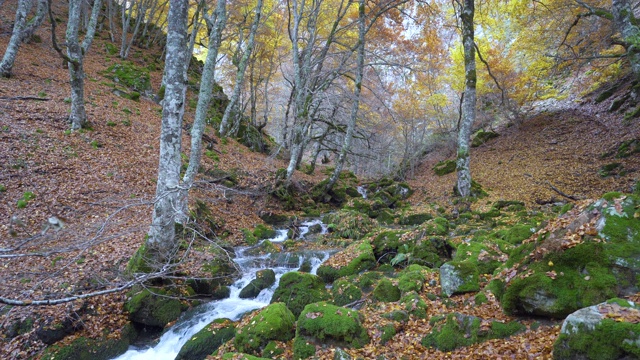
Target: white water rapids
point(232, 307)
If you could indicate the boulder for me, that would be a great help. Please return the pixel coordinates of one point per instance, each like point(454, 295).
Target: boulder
point(609, 330)
point(385, 291)
point(297, 289)
point(356, 258)
point(104, 347)
point(458, 278)
point(321, 323)
point(154, 309)
point(481, 136)
point(274, 322)
point(263, 280)
point(456, 330)
point(207, 340)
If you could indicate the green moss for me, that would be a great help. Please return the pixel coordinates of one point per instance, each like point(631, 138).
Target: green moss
point(130, 75)
point(481, 137)
point(388, 332)
point(207, 340)
point(323, 321)
point(611, 169)
point(249, 238)
point(480, 298)
point(344, 292)
point(302, 349)
point(264, 279)
point(458, 330)
point(297, 289)
point(565, 208)
point(628, 148)
point(414, 305)
point(444, 167)
point(411, 279)
point(274, 322)
point(609, 340)
point(153, 308)
point(102, 348)
point(350, 224)
point(517, 233)
point(362, 258)
point(386, 291)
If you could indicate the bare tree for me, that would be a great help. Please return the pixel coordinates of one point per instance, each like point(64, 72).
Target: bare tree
point(469, 99)
point(22, 31)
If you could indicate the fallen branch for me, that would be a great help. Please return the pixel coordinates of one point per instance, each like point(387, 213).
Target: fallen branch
point(24, 98)
point(570, 197)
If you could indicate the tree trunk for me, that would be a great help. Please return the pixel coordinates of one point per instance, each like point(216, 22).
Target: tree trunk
point(161, 244)
point(75, 53)
point(469, 100)
point(624, 22)
point(22, 31)
point(351, 126)
point(217, 23)
point(242, 66)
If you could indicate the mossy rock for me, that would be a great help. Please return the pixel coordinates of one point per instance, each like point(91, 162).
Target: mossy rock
point(444, 167)
point(418, 246)
point(563, 281)
point(628, 148)
point(386, 291)
point(458, 277)
point(486, 254)
point(612, 169)
point(275, 219)
point(297, 289)
point(412, 278)
point(323, 322)
point(156, 309)
point(400, 190)
point(207, 340)
point(414, 305)
point(130, 75)
point(457, 330)
point(481, 136)
point(241, 356)
point(345, 292)
point(220, 273)
point(349, 224)
point(517, 233)
point(415, 219)
point(274, 322)
point(605, 331)
point(358, 256)
point(264, 279)
point(102, 348)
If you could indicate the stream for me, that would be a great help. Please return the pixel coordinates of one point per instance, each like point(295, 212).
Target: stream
point(232, 307)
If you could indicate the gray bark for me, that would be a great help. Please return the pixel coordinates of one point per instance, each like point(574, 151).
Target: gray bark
point(22, 30)
point(242, 66)
point(468, 101)
point(216, 23)
point(75, 54)
point(351, 126)
point(624, 22)
point(169, 199)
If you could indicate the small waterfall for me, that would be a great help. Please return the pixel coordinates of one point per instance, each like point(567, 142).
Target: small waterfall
point(232, 307)
point(362, 191)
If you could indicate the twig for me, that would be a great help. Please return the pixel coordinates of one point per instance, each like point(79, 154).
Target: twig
point(24, 98)
point(571, 197)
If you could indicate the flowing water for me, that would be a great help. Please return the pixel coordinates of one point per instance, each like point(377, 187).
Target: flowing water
point(232, 307)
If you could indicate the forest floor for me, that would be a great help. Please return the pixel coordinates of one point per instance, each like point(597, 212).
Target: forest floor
point(101, 181)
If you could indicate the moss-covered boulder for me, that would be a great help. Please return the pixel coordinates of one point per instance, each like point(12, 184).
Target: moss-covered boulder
point(320, 323)
point(414, 305)
point(349, 224)
point(606, 331)
point(207, 340)
point(297, 289)
point(356, 258)
point(485, 252)
point(458, 278)
point(414, 219)
point(481, 136)
point(590, 254)
point(154, 308)
point(417, 246)
point(241, 356)
point(458, 330)
point(274, 322)
point(219, 273)
point(386, 291)
point(412, 278)
point(345, 292)
point(444, 167)
point(263, 280)
point(104, 347)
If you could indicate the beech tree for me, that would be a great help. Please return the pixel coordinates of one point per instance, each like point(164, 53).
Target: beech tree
point(22, 31)
point(468, 114)
point(160, 246)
